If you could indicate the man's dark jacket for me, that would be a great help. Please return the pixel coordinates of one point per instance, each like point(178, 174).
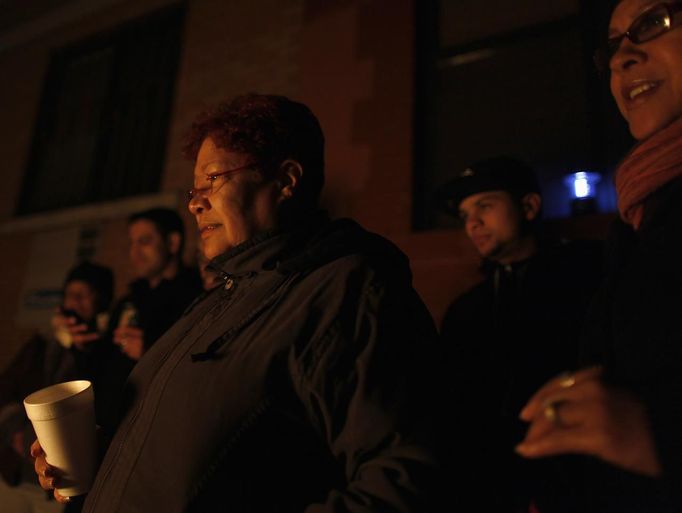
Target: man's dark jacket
point(504, 339)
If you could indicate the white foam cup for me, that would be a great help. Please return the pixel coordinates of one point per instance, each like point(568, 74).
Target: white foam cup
point(63, 417)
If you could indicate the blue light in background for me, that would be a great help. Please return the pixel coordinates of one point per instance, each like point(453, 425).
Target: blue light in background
point(583, 184)
point(558, 192)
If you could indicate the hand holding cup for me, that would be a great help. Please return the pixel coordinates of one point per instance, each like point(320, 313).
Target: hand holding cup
point(63, 418)
point(48, 476)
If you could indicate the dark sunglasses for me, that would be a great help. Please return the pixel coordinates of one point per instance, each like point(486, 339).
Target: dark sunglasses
point(649, 25)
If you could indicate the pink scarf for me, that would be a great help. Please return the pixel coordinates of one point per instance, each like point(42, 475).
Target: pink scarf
point(650, 164)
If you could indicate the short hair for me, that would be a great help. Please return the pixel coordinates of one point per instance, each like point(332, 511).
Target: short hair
point(98, 277)
point(270, 129)
point(166, 221)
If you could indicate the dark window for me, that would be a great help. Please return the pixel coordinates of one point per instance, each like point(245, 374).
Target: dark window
point(103, 121)
point(512, 77)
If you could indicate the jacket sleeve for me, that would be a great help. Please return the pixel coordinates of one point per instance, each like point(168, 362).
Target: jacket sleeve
point(370, 392)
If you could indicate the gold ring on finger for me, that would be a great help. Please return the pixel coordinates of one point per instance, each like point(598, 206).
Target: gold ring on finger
point(551, 413)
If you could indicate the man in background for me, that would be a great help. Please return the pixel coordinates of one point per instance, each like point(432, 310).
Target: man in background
point(164, 286)
point(511, 333)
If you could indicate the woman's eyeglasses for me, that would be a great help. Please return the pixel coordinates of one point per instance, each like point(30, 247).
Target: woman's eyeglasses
point(647, 26)
point(207, 191)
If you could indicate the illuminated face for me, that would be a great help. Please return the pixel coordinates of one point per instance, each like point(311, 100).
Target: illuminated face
point(233, 207)
point(149, 251)
point(80, 297)
point(646, 79)
point(493, 222)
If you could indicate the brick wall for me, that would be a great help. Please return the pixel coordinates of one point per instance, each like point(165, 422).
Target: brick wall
point(350, 60)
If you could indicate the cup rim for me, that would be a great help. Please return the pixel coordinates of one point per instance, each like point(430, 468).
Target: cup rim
point(46, 404)
point(38, 398)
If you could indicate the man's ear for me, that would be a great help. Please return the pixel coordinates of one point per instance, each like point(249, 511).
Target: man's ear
point(173, 242)
point(531, 204)
point(289, 177)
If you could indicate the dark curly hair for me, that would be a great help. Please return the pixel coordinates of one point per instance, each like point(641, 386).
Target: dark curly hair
point(270, 129)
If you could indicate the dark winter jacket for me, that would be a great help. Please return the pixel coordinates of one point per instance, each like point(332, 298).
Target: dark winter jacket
point(635, 331)
point(158, 308)
point(302, 384)
point(504, 339)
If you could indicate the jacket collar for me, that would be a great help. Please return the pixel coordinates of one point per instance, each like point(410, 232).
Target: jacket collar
point(489, 267)
point(266, 250)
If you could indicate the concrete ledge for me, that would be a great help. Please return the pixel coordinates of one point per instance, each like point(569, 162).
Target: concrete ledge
point(90, 213)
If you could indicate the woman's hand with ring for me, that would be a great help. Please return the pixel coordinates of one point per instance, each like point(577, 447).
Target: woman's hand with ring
point(580, 414)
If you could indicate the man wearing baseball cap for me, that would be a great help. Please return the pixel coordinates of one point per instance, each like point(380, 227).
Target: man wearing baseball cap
point(499, 203)
point(513, 331)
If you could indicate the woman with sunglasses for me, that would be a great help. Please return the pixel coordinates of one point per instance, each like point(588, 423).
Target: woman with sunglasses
point(625, 413)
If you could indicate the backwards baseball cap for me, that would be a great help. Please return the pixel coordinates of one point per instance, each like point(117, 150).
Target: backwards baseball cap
point(493, 174)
